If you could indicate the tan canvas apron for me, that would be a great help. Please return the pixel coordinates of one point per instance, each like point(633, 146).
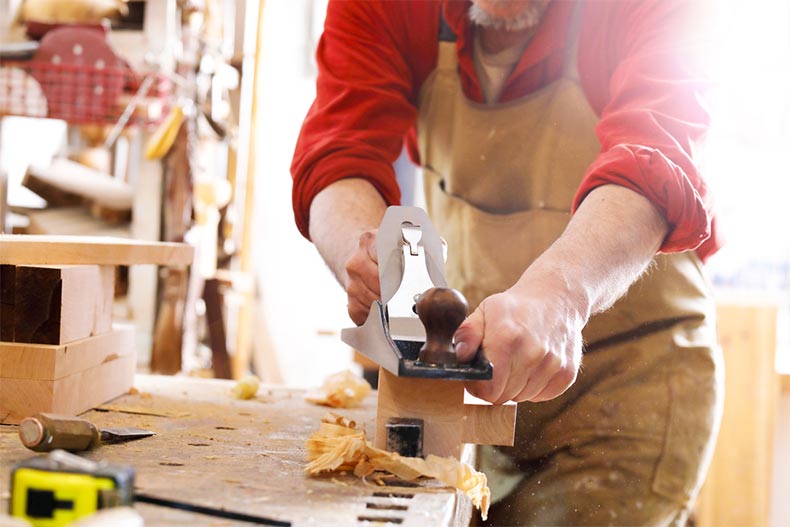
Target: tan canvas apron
point(499, 183)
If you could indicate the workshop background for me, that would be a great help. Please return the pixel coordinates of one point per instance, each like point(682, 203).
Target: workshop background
point(230, 84)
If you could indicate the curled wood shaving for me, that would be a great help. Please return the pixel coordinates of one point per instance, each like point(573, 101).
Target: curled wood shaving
point(339, 446)
point(246, 387)
point(341, 390)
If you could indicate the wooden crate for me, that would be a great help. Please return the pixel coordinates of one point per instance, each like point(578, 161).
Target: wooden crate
point(67, 378)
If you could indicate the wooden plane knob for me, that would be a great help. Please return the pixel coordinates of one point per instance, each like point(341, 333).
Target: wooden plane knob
point(441, 311)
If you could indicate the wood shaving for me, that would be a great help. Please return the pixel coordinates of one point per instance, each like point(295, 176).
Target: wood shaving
point(246, 387)
point(340, 390)
point(339, 446)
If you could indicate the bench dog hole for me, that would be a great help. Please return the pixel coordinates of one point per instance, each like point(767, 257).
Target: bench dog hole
point(380, 519)
point(393, 495)
point(386, 507)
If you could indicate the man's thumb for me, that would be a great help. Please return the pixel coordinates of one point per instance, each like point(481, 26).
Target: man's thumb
point(469, 336)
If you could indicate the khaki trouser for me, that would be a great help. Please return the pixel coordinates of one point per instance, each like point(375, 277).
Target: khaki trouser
point(627, 445)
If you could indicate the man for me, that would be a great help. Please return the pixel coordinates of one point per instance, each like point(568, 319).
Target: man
point(557, 143)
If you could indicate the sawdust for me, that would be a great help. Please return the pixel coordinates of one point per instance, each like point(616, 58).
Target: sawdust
point(339, 446)
point(340, 390)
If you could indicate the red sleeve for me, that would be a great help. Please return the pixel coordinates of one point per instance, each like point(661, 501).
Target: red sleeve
point(364, 101)
point(652, 111)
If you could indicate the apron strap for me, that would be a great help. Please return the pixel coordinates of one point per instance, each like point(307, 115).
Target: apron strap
point(447, 60)
point(446, 33)
point(569, 68)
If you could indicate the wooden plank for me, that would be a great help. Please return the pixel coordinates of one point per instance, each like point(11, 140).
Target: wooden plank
point(248, 165)
point(53, 362)
point(60, 304)
point(72, 221)
point(55, 250)
point(215, 320)
point(166, 352)
point(72, 395)
point(170, 321)
point(66, 183)
point(737, 489)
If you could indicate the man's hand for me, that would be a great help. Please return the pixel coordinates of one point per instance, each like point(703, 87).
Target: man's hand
point(532, 331)
point(362, 278)
point(533, 340)
point(344, 218)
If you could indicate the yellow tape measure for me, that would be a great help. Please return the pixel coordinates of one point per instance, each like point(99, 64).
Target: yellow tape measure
point(57, 489)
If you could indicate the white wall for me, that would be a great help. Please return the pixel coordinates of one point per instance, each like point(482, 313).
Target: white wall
point(302, 299)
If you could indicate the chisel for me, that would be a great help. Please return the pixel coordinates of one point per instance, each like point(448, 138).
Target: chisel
point(45, 432)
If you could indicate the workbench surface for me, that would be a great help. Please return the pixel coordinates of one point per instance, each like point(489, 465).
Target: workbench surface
point(243, 456)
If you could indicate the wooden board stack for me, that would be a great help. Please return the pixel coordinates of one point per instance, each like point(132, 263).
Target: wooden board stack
point(59, 351)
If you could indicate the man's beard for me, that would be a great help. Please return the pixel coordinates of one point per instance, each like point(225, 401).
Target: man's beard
point(528, 18)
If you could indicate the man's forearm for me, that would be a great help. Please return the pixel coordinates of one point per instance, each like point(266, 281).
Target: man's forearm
point(607, 245)
point(339, 214)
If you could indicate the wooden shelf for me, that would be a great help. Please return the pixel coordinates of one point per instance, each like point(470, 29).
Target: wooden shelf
point(19, 249)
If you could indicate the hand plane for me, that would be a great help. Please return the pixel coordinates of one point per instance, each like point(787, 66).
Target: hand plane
point(421, 406)
point(411, 263)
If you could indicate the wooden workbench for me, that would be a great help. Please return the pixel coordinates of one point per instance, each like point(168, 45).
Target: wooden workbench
point(243, 456)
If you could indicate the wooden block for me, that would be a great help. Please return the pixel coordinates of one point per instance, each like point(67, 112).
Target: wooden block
point(60, 304)
point(58, 250)
point(439, 403)
point(488, 424)
point(48, 362)
point(95, 373)
point(70, 395)
point(451, 416)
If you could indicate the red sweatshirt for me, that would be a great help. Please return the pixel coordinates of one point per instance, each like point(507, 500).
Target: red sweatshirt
point(638, 69)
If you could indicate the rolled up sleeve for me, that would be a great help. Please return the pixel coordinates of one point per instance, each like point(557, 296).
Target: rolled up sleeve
point(362, 110)
point(654, 120)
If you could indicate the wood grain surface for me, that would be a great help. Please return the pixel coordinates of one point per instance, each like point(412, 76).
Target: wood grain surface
point(56, 304)
point(439, 403)
point(245, 456)
point(87, 373)
point(51, 362)
point(20, 249)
